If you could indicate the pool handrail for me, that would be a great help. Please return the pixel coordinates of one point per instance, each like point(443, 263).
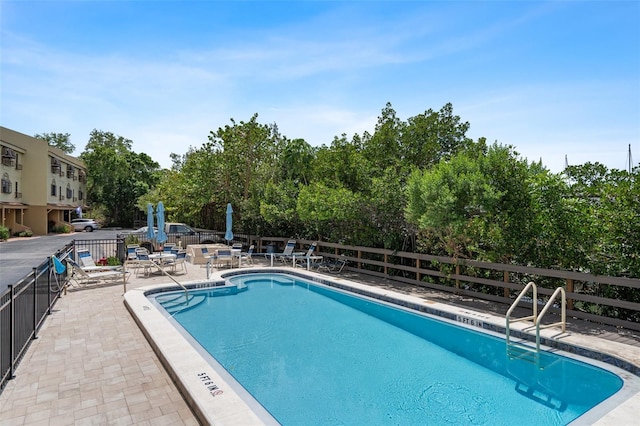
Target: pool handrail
point(563, 319)
point(534, 316)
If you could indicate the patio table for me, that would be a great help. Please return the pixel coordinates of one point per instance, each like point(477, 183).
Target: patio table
point(161, 259)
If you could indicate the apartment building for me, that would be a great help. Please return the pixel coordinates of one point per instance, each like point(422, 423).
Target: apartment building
point(41, 185)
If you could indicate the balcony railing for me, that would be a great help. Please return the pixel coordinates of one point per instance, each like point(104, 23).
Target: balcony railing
point(18, 166)
point(18, 194)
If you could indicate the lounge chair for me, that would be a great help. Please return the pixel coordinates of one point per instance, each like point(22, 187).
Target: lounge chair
point(86, 262)
point(334, 266)
point(308, 258)
point(82, 277)
point(287, 253)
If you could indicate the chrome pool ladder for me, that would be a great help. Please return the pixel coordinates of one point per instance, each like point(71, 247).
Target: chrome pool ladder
point(515, 350)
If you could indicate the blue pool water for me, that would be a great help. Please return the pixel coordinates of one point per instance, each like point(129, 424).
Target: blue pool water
point(313, 355)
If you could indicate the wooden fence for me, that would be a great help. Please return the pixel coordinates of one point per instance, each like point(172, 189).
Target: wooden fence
point(602, 299)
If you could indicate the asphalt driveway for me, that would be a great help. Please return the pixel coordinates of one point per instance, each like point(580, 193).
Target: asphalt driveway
point(19, 256)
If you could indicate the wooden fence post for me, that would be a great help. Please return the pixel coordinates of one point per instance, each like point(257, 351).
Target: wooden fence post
point(505, 278)
point(569, 290)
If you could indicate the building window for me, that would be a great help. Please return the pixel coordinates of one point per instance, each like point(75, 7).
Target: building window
point(18, 194)
point(54, 191)
point(6, 184)
point(70, 173)
point(8, 156)
point(80, 195)
point(69, 192)
point(55, 165)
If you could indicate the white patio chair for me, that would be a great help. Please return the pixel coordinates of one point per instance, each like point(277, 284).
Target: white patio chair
point(247, 256)
point(180, 260)
point(309, 259)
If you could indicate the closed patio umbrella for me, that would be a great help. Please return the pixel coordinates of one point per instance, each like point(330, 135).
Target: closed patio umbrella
point(229, 234)
point(150, 234)
point(162, 236)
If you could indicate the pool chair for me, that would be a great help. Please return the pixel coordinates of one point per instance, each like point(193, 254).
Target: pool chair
point(131, 251)
point(86, 262)
point(309, 259)
point(287, 253)
point(144, 262)
point(224, 258)
point(139, 260)
point(180, 260)
point(334, 266)
point(246, 256)
point(81, 277)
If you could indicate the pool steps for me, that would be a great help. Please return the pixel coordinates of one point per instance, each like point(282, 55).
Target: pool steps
point(176, 303)
point(515, 350)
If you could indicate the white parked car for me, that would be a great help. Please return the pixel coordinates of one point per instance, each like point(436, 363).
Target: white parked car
point(88, 225)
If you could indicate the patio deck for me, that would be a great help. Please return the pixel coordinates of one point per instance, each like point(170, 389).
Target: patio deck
point(91, 364)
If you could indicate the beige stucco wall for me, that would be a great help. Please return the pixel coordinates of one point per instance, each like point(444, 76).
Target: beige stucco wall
point(35, 181)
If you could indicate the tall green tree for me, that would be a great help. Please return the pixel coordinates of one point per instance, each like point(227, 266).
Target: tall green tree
point(247, 150)
point(342, 164)
point(433, 136)
point(61, 141)
point(475, 205)
point(383, 149)
point(117, 176)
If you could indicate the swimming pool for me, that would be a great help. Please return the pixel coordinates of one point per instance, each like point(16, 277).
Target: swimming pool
point(374, 363)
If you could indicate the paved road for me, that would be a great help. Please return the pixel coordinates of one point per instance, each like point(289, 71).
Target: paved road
point(19, 256)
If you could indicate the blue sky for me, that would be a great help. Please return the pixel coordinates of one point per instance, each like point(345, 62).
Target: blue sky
point(550, 78)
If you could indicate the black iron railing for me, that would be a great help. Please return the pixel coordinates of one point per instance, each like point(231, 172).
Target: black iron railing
point(23, 309)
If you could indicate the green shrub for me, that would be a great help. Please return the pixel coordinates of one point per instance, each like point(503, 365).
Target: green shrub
point(61, 229)
point(131, 239)
point(25, 234)
point(4, 233)
point(113, 261)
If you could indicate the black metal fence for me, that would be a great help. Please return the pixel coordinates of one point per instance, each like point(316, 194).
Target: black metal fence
point(23, 309)
point(102, 250)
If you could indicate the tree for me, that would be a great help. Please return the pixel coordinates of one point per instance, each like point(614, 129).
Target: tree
point(610, 199)
point(61, 141)
point(117, 176)
point(343, 164)
point(296, 158)
point(328, 212)
point(433, 136)
point(246, 151)
point(383, 149)
point(476, 205)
